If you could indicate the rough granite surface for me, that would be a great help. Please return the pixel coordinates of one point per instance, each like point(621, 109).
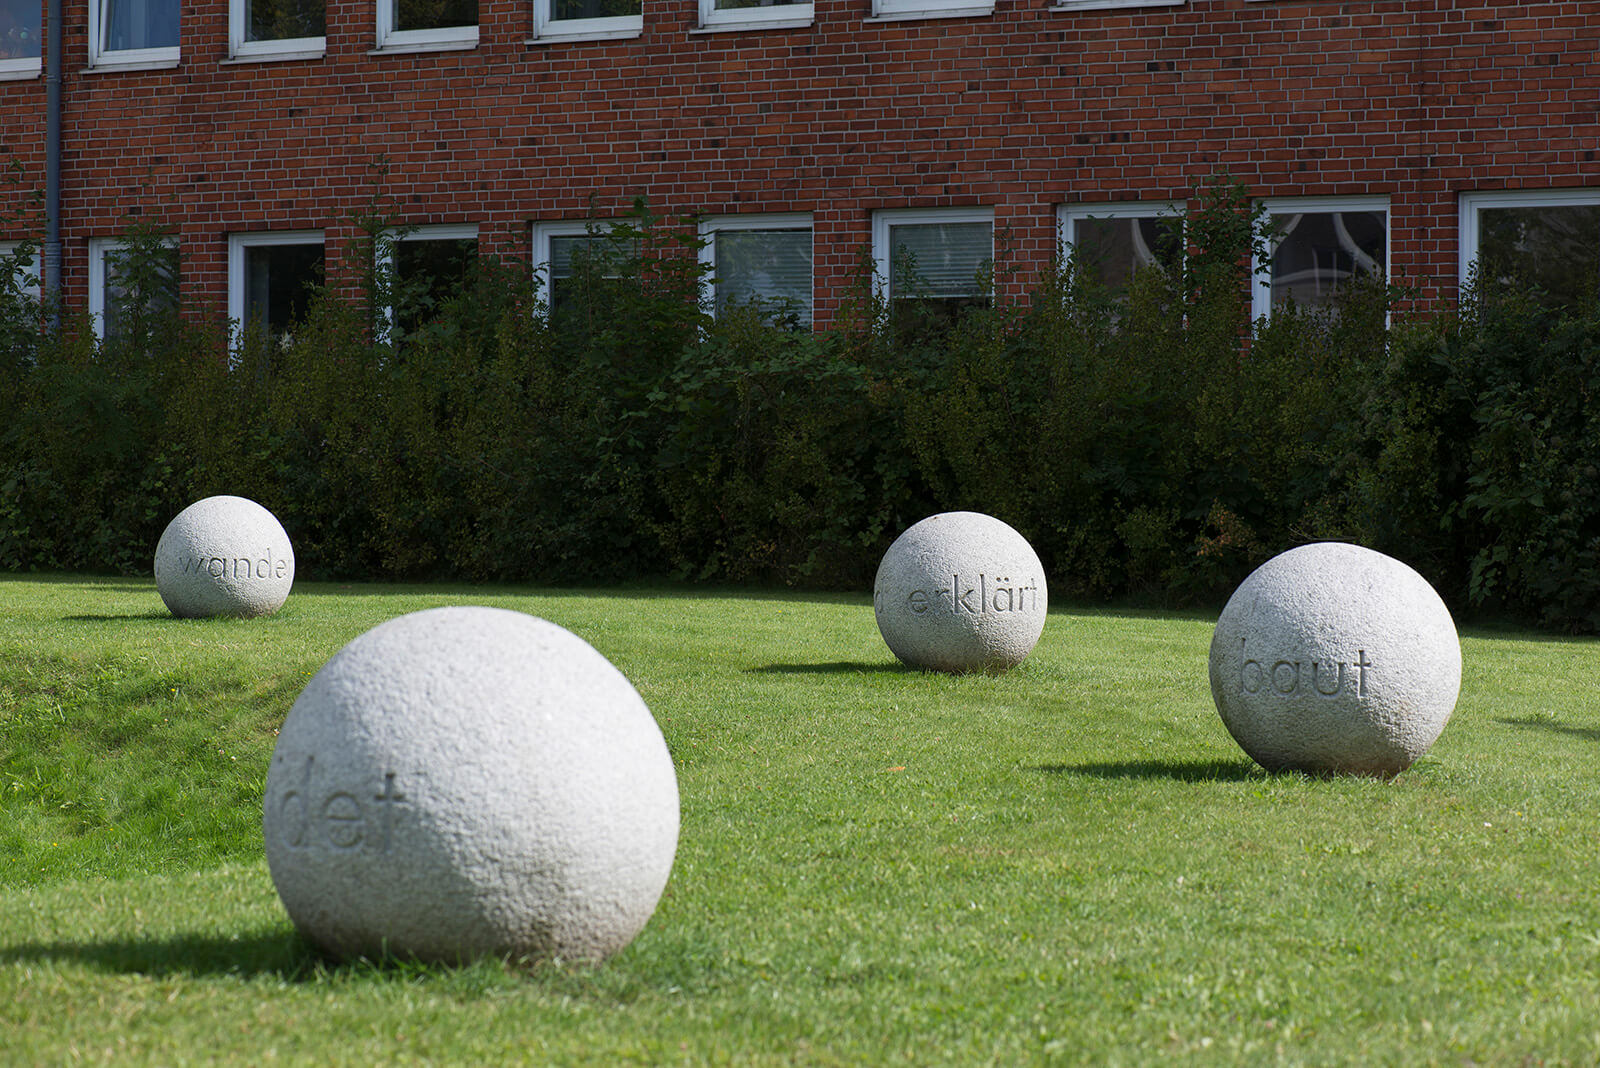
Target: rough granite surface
point(224, 556)
point(1333, 658)
point(470, 781)
point(960, 591)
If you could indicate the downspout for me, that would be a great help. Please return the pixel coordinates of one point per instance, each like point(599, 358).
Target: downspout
point(51, 277)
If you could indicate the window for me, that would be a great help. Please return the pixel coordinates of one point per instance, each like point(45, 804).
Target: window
point(565, 251)
point(1110, 242)
point(19, 271)
point(753, 14)
point(561, 20)
point(930, 9)
point(133, 33)
point(20, 22)
point(931, 265)
point(422, 25)
point(1547, 241)
point(762, 261)
point(126, 289)
point(1317, 246)
point(426, 268)
point(272, 279)
point(277, 29)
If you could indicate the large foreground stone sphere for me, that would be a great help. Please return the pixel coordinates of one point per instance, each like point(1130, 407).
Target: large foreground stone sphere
point(464, 782)
point(1333, 658)
point(960, 591)
point(224, 556)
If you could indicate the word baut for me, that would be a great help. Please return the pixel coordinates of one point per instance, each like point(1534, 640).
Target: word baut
point(239, 566)
point(998, 594)
point(337, 817)
point(1286, 677)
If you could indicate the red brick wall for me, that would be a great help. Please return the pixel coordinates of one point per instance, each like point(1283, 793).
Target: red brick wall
point(1020, 110)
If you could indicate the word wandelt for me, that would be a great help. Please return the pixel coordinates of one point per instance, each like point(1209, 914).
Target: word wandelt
point(235, 567)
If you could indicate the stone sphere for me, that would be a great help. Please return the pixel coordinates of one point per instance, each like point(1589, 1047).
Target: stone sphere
point(465, 782)
point(1335, 659)
point(224, 556)
point(960, 591)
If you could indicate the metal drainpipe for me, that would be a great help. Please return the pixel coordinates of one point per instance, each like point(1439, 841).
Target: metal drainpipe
point(51, 278)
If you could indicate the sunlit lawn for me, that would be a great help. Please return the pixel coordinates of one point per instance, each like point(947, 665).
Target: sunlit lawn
point(1070, 863)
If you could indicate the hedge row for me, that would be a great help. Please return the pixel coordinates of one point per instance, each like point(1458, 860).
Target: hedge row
point(1152, 443)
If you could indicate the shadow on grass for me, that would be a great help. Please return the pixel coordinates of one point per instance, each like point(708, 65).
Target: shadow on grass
point(1177, 770)
point(837, 667)
point(121, 617)
point(1552, 725)
point(275, 954)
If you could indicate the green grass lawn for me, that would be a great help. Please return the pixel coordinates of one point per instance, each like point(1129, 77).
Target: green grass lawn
point(1070, 863)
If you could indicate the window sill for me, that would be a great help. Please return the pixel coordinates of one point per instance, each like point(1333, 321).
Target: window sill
point(421, 46)
point(962, 12)
point(112, 67)
point(569, 36)
point(274, 56)
point(17, 74)
point(799, 22)
point(1110, 5)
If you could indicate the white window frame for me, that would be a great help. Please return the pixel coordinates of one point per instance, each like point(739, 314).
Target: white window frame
point(543, 232)
point(384, 251)
point(1470, 226)
point(260, 51)
point(238, 245)
point(446, 39)
point(710, 228)
point(780, 16)
point(548, 29)
point(26, 67)
point(102, 59)
point(1069, 215)
point(99, 249)
point(883, 222)
point(1260, 278)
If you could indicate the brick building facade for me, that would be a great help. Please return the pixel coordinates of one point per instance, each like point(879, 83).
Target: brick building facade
point(1387, 129)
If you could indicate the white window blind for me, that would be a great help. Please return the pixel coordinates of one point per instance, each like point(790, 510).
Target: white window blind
point(939, 259)
point(564, 249)
point(765, 266)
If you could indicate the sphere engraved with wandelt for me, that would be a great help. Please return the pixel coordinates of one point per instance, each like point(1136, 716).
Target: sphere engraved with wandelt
point(224, 556)
point(464, 782)
point(1333, 658)
point(960, 591)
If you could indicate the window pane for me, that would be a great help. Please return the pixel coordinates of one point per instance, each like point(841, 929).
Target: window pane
point(771, 267)
point(429, 272)
point(19, 29)
point(131, 288)
point(1111, 250)
point(939, 259)
point(284, 20)
point(578, 254)
point(20, 266)
point(1314, 253)
point(733, 5)
point(594, 9)
point(280, 281)
point(434, 14)
point(564, 250)
point(140, 24)
point(1554, 249)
